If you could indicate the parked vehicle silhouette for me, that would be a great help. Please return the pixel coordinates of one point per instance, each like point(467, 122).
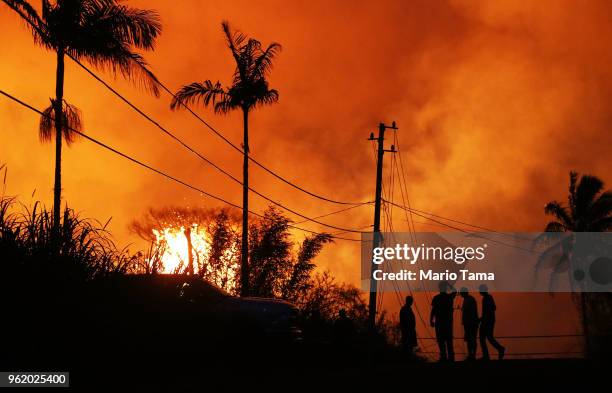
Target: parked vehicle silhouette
point(180, 313)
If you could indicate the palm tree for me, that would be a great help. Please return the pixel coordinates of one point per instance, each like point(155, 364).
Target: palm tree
point(103, 32)
point(249, 90)
point(589, 209)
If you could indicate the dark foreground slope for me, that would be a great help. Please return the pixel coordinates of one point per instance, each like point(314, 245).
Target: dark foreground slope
point(252, 372)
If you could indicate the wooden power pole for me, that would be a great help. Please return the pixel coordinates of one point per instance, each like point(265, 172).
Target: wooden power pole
point(377, 238)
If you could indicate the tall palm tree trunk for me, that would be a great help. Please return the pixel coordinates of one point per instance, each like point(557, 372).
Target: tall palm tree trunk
point(584, 311)
point(59, 98)
point(244, 260)
point(585, 323)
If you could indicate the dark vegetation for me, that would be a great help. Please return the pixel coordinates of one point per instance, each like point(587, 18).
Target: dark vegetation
point(65, 301)
point(106, 34)
point(588, 209)
point(66, 294)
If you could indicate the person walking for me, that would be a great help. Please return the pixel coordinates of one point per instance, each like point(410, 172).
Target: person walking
point(487, 325)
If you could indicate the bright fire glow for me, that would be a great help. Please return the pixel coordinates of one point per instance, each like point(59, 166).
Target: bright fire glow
point(173, 256)
point(173, 246)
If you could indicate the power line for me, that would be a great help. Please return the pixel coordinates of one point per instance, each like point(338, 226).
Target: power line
point(254, 161)
point(406, 200)
point(433, 224)
point(466, 223)
point(416, 305)
point(337, 212)
point(411, 209)
point(404, 189)
point(465, 231)
point(389, 223)
point(341, 232)
point(509, 337)
point(220, 135)
point(199, 155)
point(159, 172)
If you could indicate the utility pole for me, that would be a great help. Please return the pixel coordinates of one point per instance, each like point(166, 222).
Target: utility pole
point(377, 238)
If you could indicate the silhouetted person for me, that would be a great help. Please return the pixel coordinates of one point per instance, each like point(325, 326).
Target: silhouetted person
point(408, 326)
point(469, 320)
point(441, 319)
point(487, 324)
point(343, 330)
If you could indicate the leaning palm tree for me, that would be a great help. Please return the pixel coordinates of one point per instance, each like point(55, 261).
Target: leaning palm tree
point(103, 32)
point(249, 90)
point(589, 209)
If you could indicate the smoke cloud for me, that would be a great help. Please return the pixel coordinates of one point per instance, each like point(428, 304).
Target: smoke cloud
point(496, 103)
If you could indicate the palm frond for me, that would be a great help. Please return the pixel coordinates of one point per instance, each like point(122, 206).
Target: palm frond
point(265, 61)
point(601, 208)
point(554, 226)
point(137, 70)
point(225, 106)
point(557, 254)
point(554, 248)
point(555, 209)
point(120, 60)
point(586, 193)
point(207, 91)
point(32, 20)
point(268, 97)
point(105, 34)
point(234, 40)
point(249, 87)
point(138, 27)
point(71, 121)
point(601, 225)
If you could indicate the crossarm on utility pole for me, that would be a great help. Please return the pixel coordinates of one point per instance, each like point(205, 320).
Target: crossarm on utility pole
point(377, 238)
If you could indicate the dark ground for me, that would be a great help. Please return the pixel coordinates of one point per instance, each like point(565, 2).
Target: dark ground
point(111, 346)
point(246, 375)
point(512, 375)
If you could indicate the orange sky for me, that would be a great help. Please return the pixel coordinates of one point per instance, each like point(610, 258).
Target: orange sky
point(496, 102)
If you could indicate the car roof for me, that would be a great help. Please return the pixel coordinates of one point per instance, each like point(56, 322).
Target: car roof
point(165, 281)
